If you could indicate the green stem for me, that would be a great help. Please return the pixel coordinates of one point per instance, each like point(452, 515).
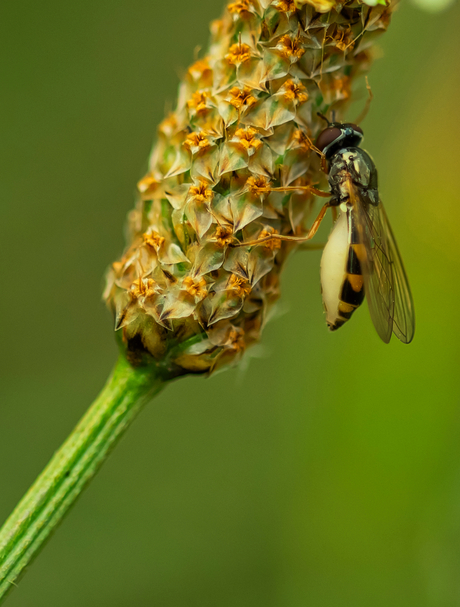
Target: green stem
point(72, 467)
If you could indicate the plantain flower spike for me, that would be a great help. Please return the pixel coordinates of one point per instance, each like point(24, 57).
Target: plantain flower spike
point(233, 164)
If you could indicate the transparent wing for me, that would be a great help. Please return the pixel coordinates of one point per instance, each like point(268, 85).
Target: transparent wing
point(387, 288)
point(403, 315)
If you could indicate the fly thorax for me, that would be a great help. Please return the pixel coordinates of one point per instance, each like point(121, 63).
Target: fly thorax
point(355, 164)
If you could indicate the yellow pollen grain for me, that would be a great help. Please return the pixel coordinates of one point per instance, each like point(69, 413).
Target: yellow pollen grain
point(223, 236)
point(258, 185)
point(295, 91)
point(142, 287)
point(236, 339)
point(117, 267)
point(273, 243)
point(286, 6)
point(153, 239)
point(299, 139)
point(342, 86)
point(323, 6)
point(342, 37)
point(168, 126)
point(147, 184)
point(243, 6)
point(200, 193)
point(247, 138)
point(197, 140)
point(198, 102)
point(290, 47)
point(240, 285)
point(195, 287)
point(241, 97)
point(238, 53)
point(199, 68)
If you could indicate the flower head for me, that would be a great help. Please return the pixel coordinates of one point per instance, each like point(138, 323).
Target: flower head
point(229, 173)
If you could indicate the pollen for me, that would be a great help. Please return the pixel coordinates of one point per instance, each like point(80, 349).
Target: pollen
point(223, 236)
point(142, 287)
point(117, 267)
point(343, 38)
point(152, 239)
point(147, 185)
point(169, 125)
point(243, 6)
point(199, 69)
point(258, 185)
point(241, 97)
point(240, 285)
point(290, 47)
point(238, 53)
point(300, 140)
point(286, 6)
point(295, 91)
point(236, 339)
point(197, 140)
point(198, 102)
point(247, 139)
point(323, 6)
point(273, 243)
point(195, 286)
point(342, 86)
point(200, 192)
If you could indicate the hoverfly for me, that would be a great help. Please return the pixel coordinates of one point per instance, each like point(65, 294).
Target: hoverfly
point(361, 256)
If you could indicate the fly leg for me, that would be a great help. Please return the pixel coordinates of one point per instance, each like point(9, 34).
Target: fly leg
point(368, 104)
point(311, 232)
point(307, 188)
point(319, 152)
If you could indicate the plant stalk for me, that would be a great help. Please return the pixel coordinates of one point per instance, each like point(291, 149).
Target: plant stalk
point(72, 467)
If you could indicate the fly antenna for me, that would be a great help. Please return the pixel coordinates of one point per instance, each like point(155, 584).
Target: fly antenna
point(368, 104)
point(323, 117)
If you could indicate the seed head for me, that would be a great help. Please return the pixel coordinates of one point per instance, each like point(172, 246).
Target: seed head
point(230, 171)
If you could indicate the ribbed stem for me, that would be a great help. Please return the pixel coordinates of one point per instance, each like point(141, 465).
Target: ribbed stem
point(72, 467)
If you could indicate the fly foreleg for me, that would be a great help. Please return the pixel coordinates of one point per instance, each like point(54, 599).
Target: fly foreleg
point(308, 236)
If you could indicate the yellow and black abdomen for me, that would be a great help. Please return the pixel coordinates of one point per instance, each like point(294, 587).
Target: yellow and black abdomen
point(342, 283)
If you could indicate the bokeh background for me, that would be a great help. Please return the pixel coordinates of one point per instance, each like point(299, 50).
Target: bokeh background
point(327, 471)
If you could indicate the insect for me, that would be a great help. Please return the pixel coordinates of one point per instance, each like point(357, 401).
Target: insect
point(361, 257)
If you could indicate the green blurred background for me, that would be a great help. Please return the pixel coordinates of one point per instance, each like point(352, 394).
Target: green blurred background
point(327, 473)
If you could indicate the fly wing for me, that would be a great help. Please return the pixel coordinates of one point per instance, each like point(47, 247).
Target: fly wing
point(385, 281)
point(404, 315)
point(376, 265)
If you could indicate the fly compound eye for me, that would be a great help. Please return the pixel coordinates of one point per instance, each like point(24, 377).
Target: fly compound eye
point(327, 137)
point(355, 127)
